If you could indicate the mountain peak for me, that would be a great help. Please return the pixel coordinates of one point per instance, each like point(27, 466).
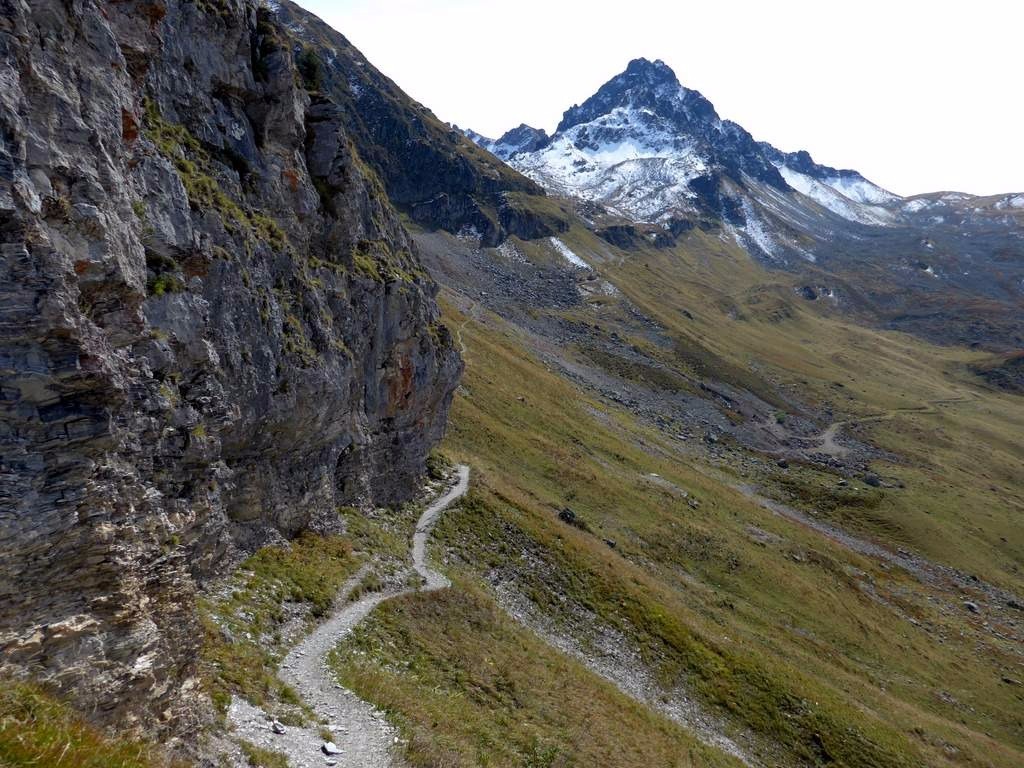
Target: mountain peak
point(524, 138)
point(655, 70)
point(650, 147)
point(644, 84)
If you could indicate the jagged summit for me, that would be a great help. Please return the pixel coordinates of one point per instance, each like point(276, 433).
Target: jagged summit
point(652, 70)
point(523, 138)
point(644, 84)
point(649, 148)
point(646, 146)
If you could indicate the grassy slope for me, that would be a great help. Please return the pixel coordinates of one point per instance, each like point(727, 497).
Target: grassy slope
point(471, 687)
point(243, 642)
point(36, 729)
point(966, 462)
point(798, 605)
point(796, 639)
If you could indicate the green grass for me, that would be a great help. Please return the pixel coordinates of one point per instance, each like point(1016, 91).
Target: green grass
point(37, 729)
point(370, 583)
point(258, 757)
point(243, 644)
point(785, 639)
point(386, 536)
point(730, 320)
point(552, 213)
point(733, 678)
point(165, 283)
point(378, 261)
point(470, 687)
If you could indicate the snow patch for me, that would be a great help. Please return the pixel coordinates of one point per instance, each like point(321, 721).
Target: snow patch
point(1015, 202)
point(566, 253)
point(756, 231)
point(507, 250)
point(915, 206)
point(831, 198)
point(630, 160)
point(861, 190)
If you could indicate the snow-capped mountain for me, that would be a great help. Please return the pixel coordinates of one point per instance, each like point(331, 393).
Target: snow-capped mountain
point(653, 159)
point(521, 139)
point(650, 150)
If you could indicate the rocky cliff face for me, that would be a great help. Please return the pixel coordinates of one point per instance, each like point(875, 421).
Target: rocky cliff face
point(430, 170)
point(213, 330)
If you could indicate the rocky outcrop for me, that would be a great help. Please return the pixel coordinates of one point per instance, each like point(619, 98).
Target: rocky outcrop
point(523, 138)
point(429, 169)
point(213, 331)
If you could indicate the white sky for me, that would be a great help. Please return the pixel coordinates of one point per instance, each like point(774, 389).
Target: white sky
point(918, 95)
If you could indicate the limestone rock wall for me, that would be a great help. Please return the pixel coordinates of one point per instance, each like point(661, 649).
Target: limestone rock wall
point(213, 331)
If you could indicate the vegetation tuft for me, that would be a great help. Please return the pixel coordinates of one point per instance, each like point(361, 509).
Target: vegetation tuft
point(206, 193)
point(37, 729)
point(243, 641)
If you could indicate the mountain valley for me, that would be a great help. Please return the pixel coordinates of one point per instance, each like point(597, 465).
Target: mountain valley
point(743, 432)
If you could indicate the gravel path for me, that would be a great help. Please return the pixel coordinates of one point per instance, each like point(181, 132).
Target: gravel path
point(827, 442)
point(361, 732)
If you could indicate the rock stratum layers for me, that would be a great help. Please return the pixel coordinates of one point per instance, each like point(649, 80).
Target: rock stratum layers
point(214, 331)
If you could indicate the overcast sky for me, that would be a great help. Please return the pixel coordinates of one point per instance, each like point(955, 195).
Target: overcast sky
point(919, 95)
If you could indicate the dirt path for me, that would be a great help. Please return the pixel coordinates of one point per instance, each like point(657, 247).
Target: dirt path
point(471, 315)
point(828, 443)
point(361, 732)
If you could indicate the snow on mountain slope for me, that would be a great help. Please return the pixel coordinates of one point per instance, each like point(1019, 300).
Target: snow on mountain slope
point(861, 190)
point(848, 183)
point(830, 196)
point(651, 150)
point(1011, 201)
point(630, 160)
point(521, 139)
point(567, 253)
point(647, 149)
point(478, 138)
